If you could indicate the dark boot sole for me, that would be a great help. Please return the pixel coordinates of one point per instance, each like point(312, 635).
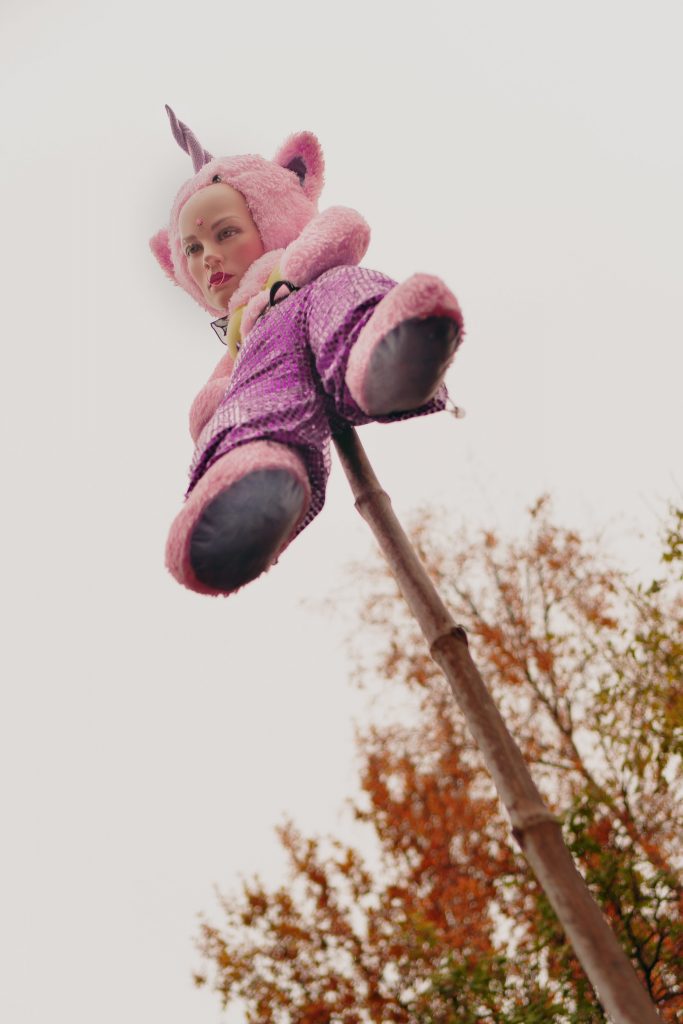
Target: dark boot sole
point(240, 532)
point(407, 367)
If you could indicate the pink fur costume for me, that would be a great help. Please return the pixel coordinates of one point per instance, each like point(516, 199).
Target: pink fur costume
point(318, 343)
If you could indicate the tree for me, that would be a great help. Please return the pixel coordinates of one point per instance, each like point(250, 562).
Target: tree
point(587, 668)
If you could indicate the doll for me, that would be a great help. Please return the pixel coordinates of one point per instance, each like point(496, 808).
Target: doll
point(314, 343)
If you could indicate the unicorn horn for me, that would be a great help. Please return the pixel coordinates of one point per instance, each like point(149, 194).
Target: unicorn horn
point(186, 140)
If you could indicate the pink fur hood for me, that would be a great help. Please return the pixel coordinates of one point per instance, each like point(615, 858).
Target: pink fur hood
point(282, 197)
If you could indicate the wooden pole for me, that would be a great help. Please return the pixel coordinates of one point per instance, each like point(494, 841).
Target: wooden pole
point(537, 831)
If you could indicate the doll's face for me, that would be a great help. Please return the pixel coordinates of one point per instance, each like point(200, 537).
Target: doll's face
point(218, 237)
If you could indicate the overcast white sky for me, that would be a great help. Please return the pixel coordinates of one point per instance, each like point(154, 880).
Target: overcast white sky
point(531, 154)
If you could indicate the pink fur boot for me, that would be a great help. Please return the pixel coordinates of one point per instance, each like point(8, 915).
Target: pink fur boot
point(401, 356)
point(239, 518)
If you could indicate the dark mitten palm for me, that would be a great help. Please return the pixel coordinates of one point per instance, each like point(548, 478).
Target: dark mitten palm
point(408, 366)
point(242, 530)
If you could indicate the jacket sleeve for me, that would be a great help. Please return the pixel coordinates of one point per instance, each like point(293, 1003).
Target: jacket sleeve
point(209, 398)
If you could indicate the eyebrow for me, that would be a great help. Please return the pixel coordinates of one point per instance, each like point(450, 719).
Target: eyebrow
point(215, 224)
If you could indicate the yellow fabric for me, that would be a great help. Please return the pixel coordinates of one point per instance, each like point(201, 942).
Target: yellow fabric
point(233, 335)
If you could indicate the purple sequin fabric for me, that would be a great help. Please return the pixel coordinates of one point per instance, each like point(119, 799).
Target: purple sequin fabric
point(288, 384)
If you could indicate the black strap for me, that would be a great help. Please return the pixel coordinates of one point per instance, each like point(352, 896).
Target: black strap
point(276, 286)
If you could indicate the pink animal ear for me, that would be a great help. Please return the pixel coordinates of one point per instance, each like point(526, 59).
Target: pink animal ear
point(302, 154)
point(161, 249)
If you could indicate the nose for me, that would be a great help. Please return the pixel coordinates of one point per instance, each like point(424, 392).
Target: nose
point(211, 257)
point(210, 260)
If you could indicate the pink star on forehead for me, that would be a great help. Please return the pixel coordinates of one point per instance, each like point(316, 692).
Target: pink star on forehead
point(200, 221)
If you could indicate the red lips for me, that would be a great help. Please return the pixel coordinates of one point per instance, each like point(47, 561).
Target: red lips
point(219, 278)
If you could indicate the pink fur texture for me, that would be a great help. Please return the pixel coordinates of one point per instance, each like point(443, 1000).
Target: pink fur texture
point(420, 296)
point(304, 147)
point(254, 279)
point(223, 367)
point(227, 471)
point(336, 237)
point(255, 307)
point(160, 247)
point(209, 398)
point(205, 404)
